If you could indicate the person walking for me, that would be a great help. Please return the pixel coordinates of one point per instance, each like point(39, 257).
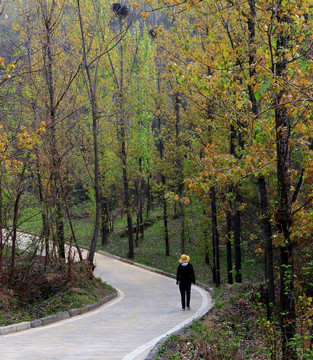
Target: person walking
point(184, 278)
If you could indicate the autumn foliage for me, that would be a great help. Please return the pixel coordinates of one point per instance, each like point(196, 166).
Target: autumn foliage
point(199, 106)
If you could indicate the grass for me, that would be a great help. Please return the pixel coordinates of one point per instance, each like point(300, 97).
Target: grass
point(151, 250)
point(67, 299)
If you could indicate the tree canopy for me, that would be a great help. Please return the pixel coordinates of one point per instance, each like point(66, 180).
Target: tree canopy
point(203, 106)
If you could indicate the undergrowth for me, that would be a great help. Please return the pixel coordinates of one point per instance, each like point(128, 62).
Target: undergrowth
point(47, 292)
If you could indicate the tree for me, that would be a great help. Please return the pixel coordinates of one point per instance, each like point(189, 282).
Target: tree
point(268, 87)
point(45, 57)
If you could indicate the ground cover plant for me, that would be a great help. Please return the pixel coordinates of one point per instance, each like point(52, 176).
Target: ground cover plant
point(229, 331)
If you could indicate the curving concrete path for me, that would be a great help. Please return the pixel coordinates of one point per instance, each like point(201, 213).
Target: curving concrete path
point(146, 310)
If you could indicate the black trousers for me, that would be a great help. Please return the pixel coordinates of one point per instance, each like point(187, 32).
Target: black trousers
point(184, 288)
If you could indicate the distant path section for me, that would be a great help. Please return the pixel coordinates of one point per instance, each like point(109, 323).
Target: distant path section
point(146, 310)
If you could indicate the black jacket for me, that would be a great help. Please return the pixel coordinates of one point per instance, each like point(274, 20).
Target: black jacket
point(185, 273)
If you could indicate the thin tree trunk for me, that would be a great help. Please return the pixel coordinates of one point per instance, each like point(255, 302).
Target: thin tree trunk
point(182, 228)
point(139, 224)
point(60, 229)
point(45, 227)
point(44, 216)
point(104, 221)
point(268, 246)
point(163, 179)
point(140, 204)
point(70, 220)
point(266, 224)
point(236, 215)
point(14, 226)
point(215, 235)
point(166, 237)
point(180, 177)
point(229, 245)
point(237, 231)
point(127, 203)
point(94, 112)
point(122, 140)
point(283, 219)
point(48, 59)
point(149, 197)
point(13, 236)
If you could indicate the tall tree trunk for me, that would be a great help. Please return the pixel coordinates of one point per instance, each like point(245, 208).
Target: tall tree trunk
point(43, 203)
point(283, 218)
point(236, 215)
point(149, 196)
point(14, 235)
point(237, 233)
point(182, 227)
point(139, 225)
point(266, 224)
point(163, 179)
point(127, 203)
point(14, 226)
point(268, 247)
point(215, 235)
point(166, 237)
point(122, 134)
point(91, 85)
point(45, 227)
point(96, 182)
point(67, 209)
point(105, 228)
point(229, 244)
point(55, 160)
point(60, 227)
point(205, 237)
point(180, 177)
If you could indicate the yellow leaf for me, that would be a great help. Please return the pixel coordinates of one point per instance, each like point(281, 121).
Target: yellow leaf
point(144, 14)
point(11, 67)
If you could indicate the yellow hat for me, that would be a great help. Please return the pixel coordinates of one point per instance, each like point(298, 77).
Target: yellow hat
point(184, 258)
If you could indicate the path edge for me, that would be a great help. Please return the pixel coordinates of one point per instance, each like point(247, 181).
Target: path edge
point(151, 269)
point(154, 352)
point(9, 329)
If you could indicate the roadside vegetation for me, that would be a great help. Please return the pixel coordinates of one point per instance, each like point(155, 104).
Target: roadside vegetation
point(38, 290)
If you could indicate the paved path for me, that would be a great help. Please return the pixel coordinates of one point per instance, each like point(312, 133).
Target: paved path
point(146, 309)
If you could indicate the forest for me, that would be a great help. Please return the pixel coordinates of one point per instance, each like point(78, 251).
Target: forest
point(200, 109)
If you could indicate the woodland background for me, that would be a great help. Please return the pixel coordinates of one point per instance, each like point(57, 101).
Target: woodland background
point(197, 113)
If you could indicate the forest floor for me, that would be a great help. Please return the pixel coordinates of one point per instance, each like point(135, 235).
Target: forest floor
point(35, 290)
